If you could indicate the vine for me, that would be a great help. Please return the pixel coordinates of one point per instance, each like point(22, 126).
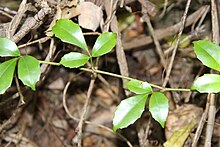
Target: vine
point(130, 109)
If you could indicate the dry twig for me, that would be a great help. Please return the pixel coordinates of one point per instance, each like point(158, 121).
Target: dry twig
point(163, 33)
point(200, 125)
point(16, 19)
point(85, 109)
point(212, 99)
point(156, 42)
point(183, 22)
point(88, 122)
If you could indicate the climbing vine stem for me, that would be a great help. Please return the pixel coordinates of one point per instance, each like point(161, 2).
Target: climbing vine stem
point(120, 76)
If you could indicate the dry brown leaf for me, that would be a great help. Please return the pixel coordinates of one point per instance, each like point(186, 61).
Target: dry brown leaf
point(179, 137)
point(58, 84)
point(180, 117)
point(90, 16)
point(61, 124)
point(64, 11)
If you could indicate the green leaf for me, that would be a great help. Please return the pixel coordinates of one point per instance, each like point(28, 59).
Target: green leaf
point(7, 69)
point(104, 44)
point(74, 60)
point(139, 87)
point(208, 53)
point(69, 32)
point(8, 48)
point(29, 71)
point(208, 83)
point(159, 107)
point(128, 111)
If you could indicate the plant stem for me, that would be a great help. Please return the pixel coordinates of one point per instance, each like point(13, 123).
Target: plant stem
point(119, 76)
point(129, 78)
point(48, 62)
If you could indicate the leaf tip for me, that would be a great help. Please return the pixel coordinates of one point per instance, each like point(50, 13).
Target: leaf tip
point(115, 128)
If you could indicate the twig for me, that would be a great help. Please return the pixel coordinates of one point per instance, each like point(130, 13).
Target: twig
point(163, 33)
point(156, 42)
point(143, 133)
point(16, 19)
point(201, 125)
point(11, 120)
point(215, 22)
point(103, 80)
point(6, 14)
point(22, 102)
point(211, 120)
point(52, 50)
point(33, 23)
point(201, 19)
point(85, 108)
point(88, 122)
point(183, 22)
point(7, 10)
point(92, 33)
point(164, 8)
point(110, 10)
point(212, 107)
point(41, 40)
point(190, 93)
point(120, 54)
point(64, 102)
point(197, 31)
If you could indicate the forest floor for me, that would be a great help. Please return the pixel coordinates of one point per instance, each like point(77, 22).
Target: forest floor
point(149, 31)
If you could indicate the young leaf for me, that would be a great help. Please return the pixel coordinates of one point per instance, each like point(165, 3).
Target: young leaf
point(69, 32)
point(74, 60)
point(29, 71)
point(8, 48)
point(7, 69)
point(139, 87)
point(208, 83)
point(208, 53)
point(104, 44)
point(128, 111)
point(158, 106)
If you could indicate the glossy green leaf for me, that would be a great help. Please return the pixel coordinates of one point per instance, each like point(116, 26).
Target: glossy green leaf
point(159, 107)
point(8, 48)
point(208, 83)
point(74, 60)
point(208, 53)
point(69, 32)
point(128, 111)
point(104, 44)
point(139, 87)
point(29, 71)
point(7, 69)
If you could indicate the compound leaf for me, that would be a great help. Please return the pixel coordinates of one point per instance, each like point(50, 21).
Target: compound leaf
point(7, 69)
point(208, 53)
point(104, 44)
point(128, 111)
point(29, 71)
point(8, 48)
point(139, 87)
point(208, 83)
point(159, 107)
point(69, 32)
point(74, 60)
